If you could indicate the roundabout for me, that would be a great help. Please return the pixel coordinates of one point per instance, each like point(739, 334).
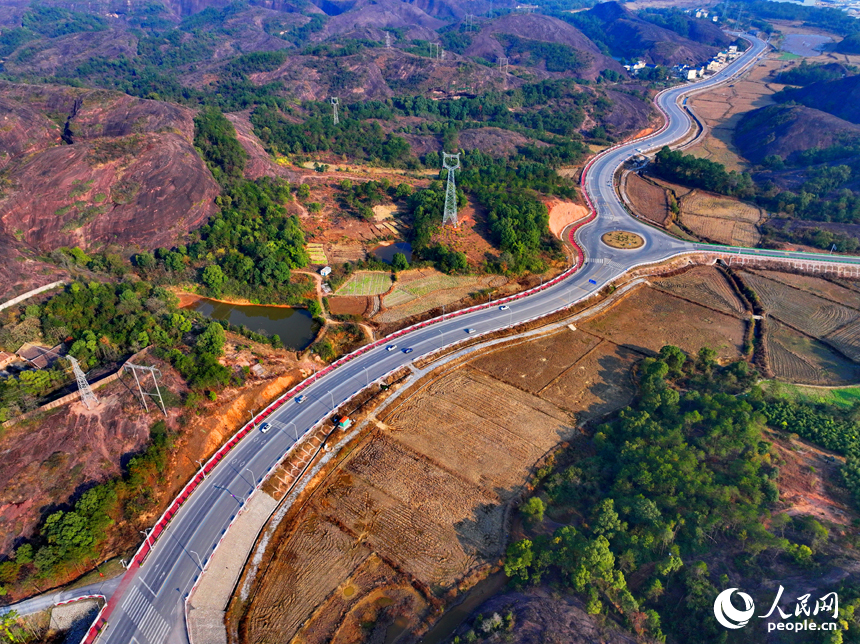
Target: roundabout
point(622, 239)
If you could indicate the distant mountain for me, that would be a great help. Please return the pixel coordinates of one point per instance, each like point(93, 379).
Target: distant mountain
point(629, 36)
point(839, 97)
point(786, 130)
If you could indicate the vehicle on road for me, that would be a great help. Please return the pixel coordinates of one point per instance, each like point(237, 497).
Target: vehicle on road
point(300, 399)
point(391, 347)
point(504, 307)
point(407, 350)
point(592, 281)
point(470, 331)
point(265, 427)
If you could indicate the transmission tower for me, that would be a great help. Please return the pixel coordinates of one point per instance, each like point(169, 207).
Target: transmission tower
point(387, 40)
point(87, 395)
point(134, 368)
point(450, 162)
point(503, 70)
point(334, 104)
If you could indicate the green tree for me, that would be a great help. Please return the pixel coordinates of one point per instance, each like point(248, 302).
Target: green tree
point(211, 341)
point(399, 262)
point(533, 510)
point(214, 278)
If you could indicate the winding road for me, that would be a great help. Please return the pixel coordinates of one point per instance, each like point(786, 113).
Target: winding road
point(149, 606)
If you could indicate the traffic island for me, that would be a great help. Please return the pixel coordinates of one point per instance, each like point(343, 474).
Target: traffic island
point(622, 239)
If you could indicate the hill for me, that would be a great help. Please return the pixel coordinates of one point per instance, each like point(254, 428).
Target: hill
point(108, 169)
point(629, 36)
point(492, 43)
point(786, 130)
point(839, 97)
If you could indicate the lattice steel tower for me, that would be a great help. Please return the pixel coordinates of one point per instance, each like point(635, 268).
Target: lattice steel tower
point(450, 162)
point(87, 395)
point(334, 103)
point(134, 368)
point(388, 40)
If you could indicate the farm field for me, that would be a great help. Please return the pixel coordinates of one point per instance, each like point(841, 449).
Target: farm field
point(798, 358)
point(421, 502)
point(817, 286)
point(668, 320)
point(533, 365)
point(798, 308)
point(721, 107)
point(341, 305)
point(366, 283)
point(720, 219)
point(648, 200)
point(424, 289)
point(704, 285)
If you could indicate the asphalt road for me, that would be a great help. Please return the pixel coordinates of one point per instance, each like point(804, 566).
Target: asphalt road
point(151, 609)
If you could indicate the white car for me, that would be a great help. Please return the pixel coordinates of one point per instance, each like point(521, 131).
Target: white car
point(391, 347)
point(504, 307)
point(470, 331)
point(265, 427)
point(300, 399)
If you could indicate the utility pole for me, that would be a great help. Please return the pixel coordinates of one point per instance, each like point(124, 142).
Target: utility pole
point(134, 368)
point(87, 395)
point(334, 103)
point(450, 162)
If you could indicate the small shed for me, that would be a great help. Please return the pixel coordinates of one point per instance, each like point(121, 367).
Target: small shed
point(325, 270)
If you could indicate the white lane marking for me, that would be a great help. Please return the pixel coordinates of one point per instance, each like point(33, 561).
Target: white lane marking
point(145, 617)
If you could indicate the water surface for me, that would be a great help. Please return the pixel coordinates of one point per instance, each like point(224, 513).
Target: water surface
point(386, 253)
point(295, 327)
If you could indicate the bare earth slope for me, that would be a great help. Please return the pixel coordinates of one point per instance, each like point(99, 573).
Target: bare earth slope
point(108, 169)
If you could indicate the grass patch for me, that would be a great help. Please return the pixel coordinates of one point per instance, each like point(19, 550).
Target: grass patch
point(843, 397)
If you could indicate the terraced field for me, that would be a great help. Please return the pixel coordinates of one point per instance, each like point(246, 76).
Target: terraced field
point(798, 358)
point(705, 285)
point(817, 286)
point(423, 290)
point(798, 308)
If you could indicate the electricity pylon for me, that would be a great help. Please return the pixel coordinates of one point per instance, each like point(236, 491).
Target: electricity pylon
point(87, 395)
point(503, 70)
point(134, 368)
point(388, 40)
point(451, 191)
point(334, 103)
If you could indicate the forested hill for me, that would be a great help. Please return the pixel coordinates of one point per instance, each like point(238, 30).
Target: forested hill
point(838, 97)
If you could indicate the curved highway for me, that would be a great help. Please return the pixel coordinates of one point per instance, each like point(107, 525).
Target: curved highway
point(149, 607)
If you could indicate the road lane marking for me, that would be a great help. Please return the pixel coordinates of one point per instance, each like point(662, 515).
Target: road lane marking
point(145, 617)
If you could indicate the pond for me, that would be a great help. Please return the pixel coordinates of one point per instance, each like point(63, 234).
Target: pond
point(386, 253)
point(295, 327)
point(805, 44)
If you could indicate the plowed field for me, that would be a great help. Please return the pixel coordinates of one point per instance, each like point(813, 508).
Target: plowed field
point(649, 319)
point(816, 286)
point(800, 309)
point(647, 199)
point(798, 358)
point(720, 219)
point(705, 285)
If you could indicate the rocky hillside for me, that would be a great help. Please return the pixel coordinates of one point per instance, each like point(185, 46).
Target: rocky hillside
point(107, 169)
point(785, 130)
point(839, 97)
point(630, 36)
